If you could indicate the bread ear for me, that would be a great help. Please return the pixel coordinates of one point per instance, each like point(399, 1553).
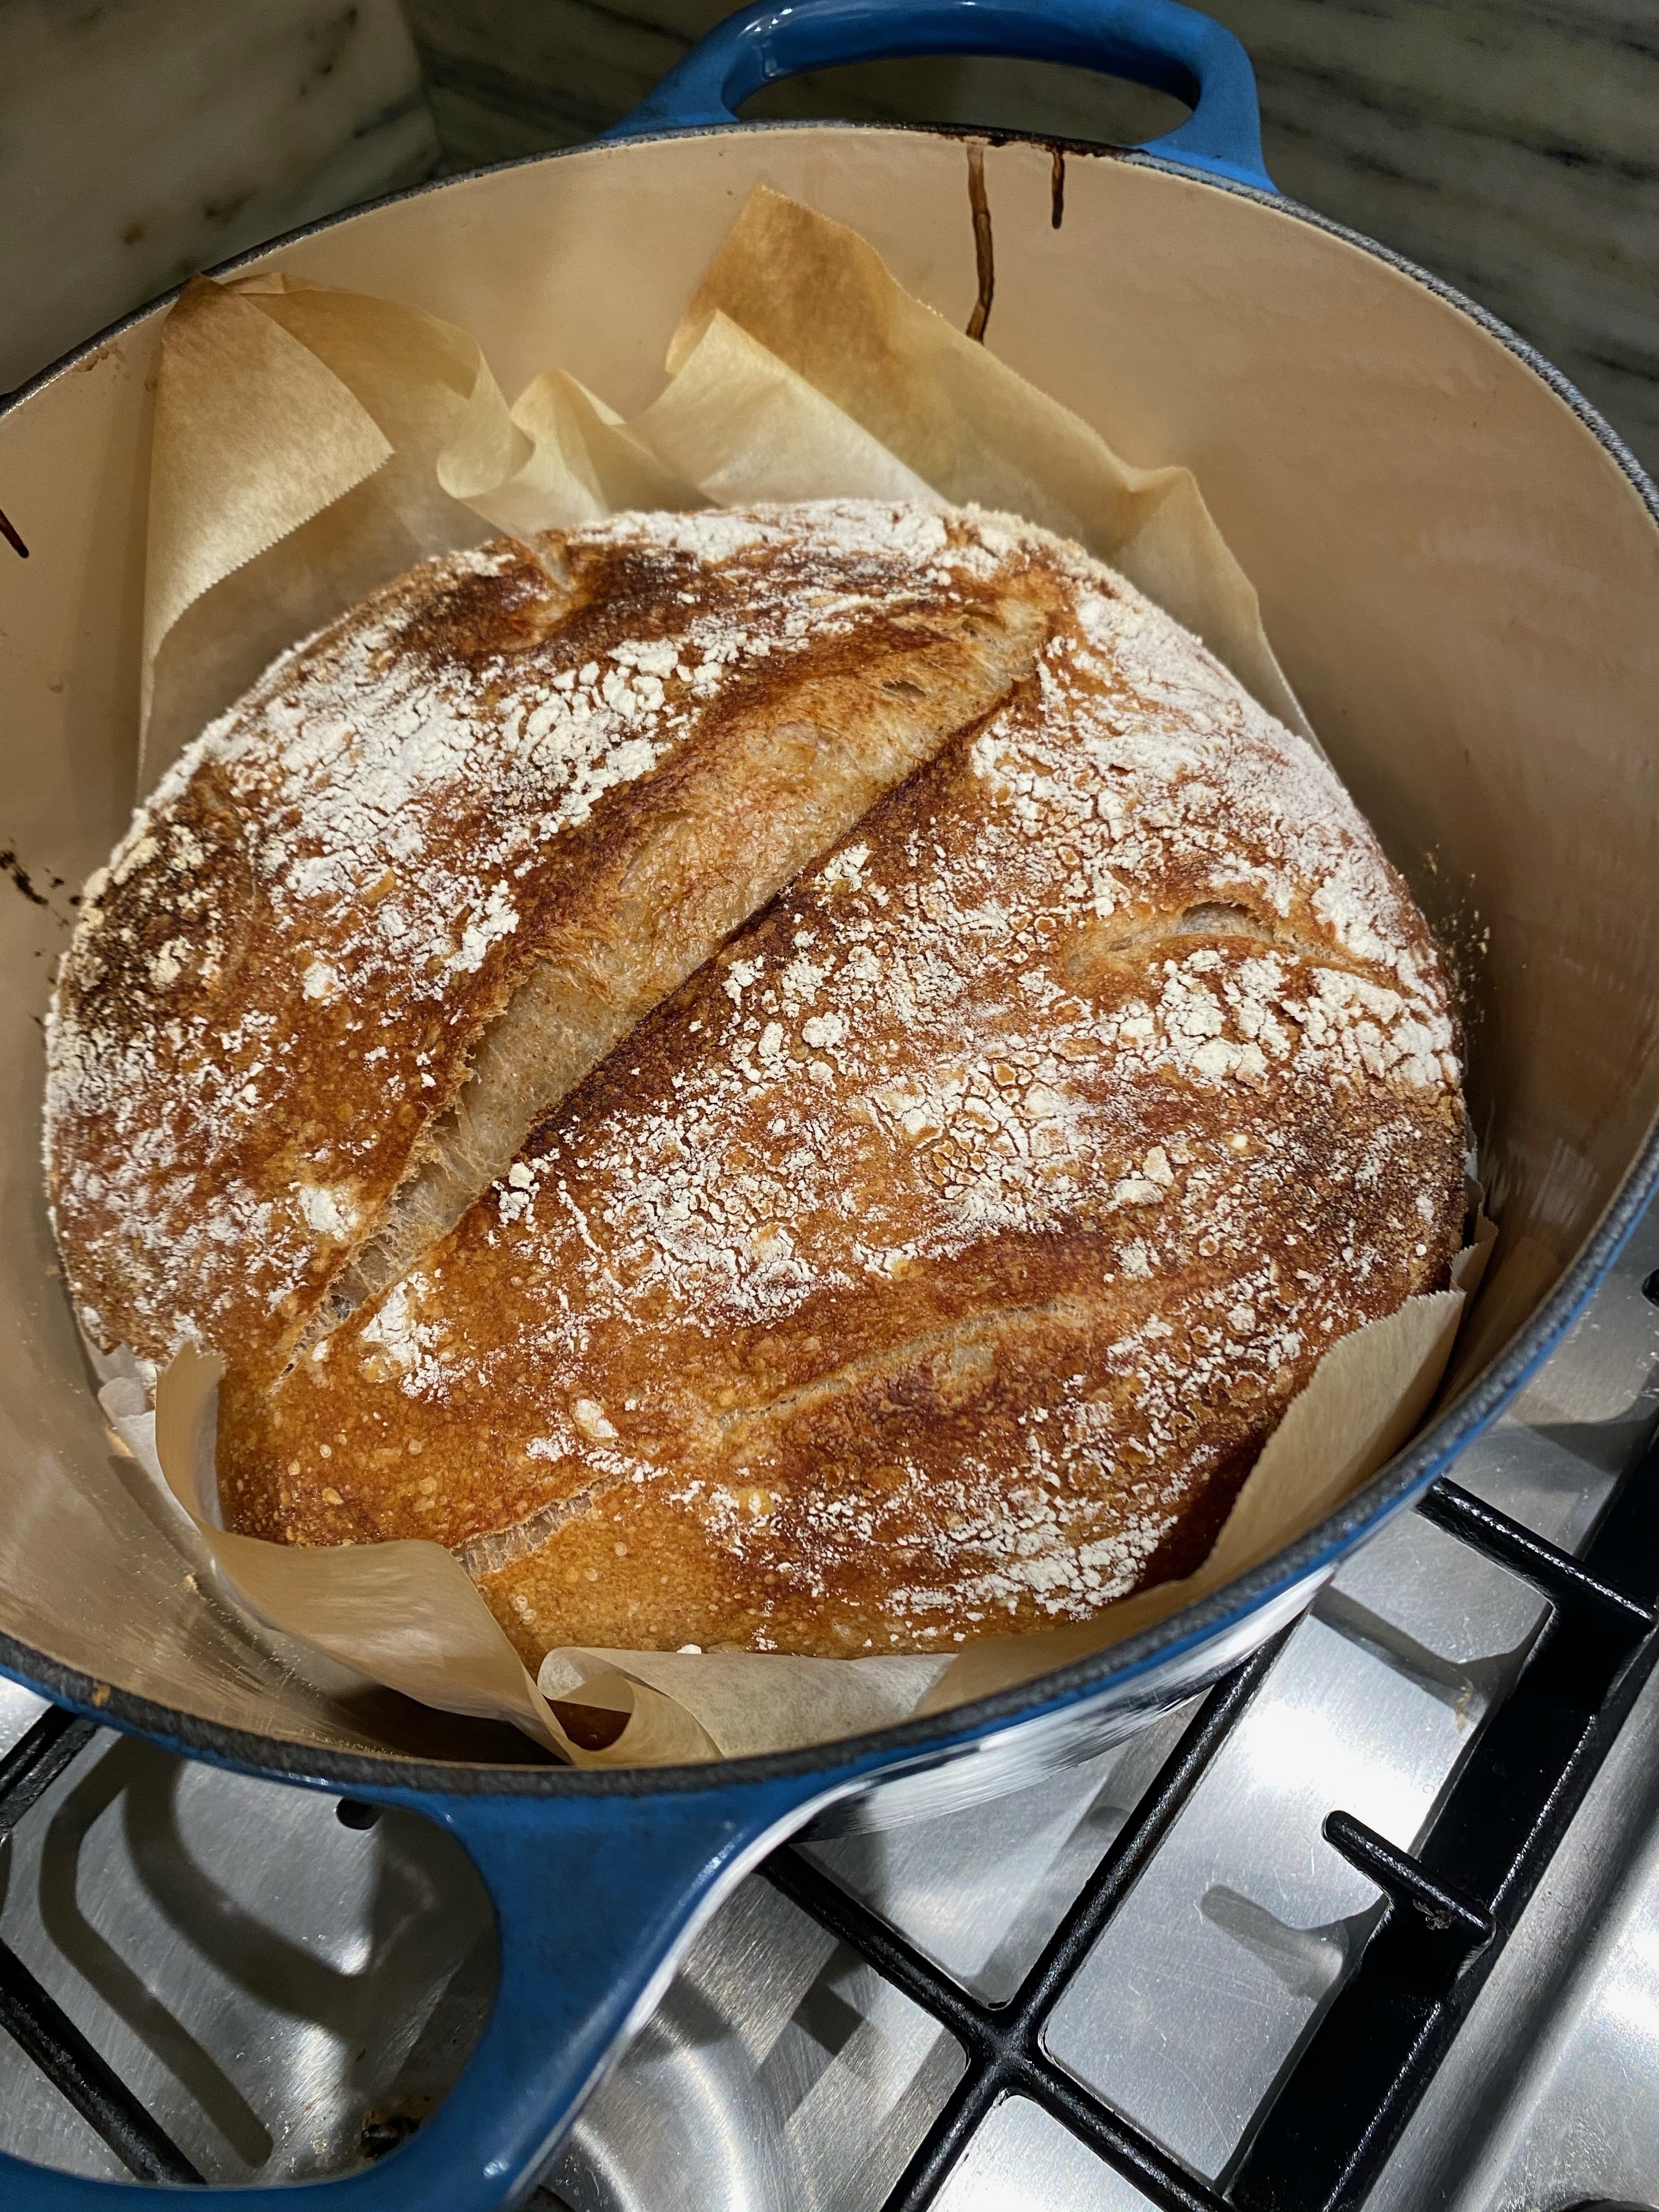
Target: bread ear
point(684, 859)
point(445, 854)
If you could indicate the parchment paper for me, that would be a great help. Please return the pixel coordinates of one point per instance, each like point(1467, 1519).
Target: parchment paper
point(310, 443)
point(407, 1614)
point(820, 300)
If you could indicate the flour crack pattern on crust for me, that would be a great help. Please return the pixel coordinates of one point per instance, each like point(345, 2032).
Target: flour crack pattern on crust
point(278, 989)
point(934, 1260)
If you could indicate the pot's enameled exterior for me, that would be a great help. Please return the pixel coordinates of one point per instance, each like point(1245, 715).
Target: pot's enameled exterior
point(1459, 567)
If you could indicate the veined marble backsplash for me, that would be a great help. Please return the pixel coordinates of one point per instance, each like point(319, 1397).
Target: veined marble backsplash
point(1511, 146)
point(141, 140)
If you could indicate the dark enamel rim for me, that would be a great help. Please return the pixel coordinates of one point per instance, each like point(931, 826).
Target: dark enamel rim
point(920, 1741)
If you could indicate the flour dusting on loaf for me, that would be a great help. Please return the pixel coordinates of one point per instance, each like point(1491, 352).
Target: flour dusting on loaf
point(479, 825)
point(936, 1259)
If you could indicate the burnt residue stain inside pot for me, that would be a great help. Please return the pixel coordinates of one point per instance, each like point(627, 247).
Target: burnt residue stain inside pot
point(984, 255)
point(20, 875)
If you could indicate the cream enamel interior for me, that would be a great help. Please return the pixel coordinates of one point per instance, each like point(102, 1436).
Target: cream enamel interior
point(1461, 583)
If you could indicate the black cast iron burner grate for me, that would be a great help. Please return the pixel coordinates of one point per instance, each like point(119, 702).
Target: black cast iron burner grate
point(1451, 1906)
point(1323, 2140)
point(30, 2014)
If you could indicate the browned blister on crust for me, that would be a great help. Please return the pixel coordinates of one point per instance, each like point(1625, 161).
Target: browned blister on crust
point(936, 1262)
point(485, 821)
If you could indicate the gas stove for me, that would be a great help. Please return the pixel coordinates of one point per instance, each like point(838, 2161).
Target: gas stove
point(1375, 1922)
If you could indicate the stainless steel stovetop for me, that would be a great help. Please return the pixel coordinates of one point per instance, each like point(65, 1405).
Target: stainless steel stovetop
point(284, 1992)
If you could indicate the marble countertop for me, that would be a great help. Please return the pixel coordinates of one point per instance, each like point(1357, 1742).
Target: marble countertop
point(141, 140)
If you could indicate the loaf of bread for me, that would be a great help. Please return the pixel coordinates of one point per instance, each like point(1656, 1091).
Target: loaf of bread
point(945, 1065)
point(441, 857)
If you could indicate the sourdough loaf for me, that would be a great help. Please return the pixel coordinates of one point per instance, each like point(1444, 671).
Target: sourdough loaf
point(935, 1258)
point(443, 855)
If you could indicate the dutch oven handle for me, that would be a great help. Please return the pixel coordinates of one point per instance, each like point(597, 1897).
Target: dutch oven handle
point(1152, 42)
point(596, 1896)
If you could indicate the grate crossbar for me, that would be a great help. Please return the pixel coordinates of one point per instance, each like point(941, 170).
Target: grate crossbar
point(1450, 1906)
point(37, 1759)
point(1003, 2043)
point(32, 2016)
point(1323, 2141)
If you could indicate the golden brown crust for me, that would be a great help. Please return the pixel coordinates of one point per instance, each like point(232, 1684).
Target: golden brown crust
point(494, 774)
point(937, 1259)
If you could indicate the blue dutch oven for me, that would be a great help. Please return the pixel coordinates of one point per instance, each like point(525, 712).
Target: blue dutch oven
point(1459, 566)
